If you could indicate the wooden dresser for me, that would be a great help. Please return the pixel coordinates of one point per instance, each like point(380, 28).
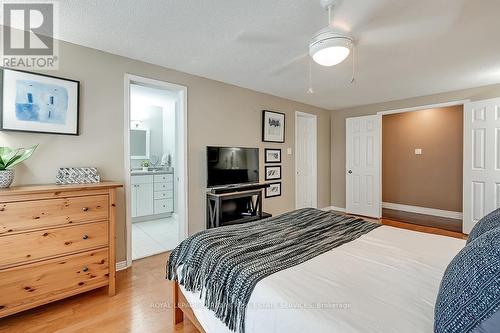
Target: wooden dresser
point(55, 241)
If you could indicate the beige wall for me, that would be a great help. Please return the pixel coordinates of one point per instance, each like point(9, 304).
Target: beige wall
point(338, 118)
point(433, 179)
point(218, 114)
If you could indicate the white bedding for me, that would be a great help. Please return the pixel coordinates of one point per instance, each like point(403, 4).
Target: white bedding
point(385, 281)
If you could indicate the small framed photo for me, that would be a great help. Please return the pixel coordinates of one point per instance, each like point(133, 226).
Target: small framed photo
point(273, 126)
point(272, 155)
point(31, 102)
point(274, 190)
point(273, 172)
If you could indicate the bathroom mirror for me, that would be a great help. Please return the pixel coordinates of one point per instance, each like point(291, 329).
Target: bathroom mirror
point(139, 144)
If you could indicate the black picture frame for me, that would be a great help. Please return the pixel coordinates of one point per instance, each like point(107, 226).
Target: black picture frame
point(2, 86)
point(264, 126)
point(272, 149)
point(269, 167)
point(267, 195)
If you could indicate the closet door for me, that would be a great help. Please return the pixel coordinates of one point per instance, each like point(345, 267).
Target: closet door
point(481, 160)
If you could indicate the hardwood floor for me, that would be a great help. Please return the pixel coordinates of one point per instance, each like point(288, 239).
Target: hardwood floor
point(420, 228)
point(141, 304)
point(423, 220)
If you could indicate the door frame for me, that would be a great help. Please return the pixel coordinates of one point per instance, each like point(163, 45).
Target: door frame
point(420, 108)
point(181, 150)
point(315, 156)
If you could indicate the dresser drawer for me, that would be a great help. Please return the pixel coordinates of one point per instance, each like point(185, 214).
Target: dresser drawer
point(36, 245)
point(26, 215)
point(164, 178)
point(164, 194)
point(31, 285)
point(163, 186)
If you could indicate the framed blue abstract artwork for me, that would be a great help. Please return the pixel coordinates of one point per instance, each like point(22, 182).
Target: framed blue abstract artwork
point(38, 103)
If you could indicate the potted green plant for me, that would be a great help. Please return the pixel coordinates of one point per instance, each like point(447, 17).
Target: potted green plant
point(145, 165)
point(8, 159)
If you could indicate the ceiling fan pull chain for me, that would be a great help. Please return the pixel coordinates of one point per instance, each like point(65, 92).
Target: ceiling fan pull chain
point(353, 64)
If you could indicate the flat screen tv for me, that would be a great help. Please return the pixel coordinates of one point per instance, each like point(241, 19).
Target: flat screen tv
point(232, 166)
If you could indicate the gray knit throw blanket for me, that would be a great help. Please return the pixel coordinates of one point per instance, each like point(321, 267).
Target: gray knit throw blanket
point(225, 264)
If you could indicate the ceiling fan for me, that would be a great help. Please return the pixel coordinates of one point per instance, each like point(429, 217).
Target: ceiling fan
point(330, 46)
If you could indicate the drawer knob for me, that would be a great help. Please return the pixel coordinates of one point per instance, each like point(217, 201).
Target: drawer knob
point(85, 209)
point(85, 269)
point(85, 237)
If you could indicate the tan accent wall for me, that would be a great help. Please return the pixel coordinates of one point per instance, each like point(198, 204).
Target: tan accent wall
point(218, 114)
point(433, 179)
point(338, 118)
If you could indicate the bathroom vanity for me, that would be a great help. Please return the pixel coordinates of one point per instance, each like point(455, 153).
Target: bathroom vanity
point(152, 193)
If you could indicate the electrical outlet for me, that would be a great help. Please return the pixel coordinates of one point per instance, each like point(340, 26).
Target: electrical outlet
point(289, 151)
point(418, 151)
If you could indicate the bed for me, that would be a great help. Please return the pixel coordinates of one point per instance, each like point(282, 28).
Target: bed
point(386, 280)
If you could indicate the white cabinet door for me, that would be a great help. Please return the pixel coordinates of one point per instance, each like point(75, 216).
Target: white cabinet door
point(363, 166)
point(144, 199)
point(481, 160)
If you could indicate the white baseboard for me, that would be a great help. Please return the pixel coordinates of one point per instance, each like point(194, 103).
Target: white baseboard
point(423, 210)
point(338, 209)
point(121, 265)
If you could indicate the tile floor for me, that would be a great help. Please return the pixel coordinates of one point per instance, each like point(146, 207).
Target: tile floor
point(153, 237)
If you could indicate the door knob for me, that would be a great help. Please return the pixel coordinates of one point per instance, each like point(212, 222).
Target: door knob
point(349, 172)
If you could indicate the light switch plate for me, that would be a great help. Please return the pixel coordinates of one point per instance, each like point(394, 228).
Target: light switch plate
point(418, 151)
point(289, 151)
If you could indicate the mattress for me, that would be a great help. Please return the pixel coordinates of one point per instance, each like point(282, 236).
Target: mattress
point(384, 281)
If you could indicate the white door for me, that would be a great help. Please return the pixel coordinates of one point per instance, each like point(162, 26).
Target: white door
point(363, 166)
point(481, 160)
point(306, 187)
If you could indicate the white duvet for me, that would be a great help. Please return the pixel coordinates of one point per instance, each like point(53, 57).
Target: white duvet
point(385, 281)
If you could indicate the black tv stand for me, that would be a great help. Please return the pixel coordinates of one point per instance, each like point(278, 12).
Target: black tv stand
point(238, 188)
point(235, 207)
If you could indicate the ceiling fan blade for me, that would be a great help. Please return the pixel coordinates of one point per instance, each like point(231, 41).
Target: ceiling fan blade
point(256, 37)
point(391, 21)
point(300, 59)
point(425, 28)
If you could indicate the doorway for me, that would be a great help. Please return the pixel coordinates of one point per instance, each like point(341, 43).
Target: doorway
point(422, 168)
point(155, 166)
point(306, 169)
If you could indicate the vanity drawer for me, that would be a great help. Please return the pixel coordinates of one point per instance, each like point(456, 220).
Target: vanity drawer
point(164, 194)
point(35, 245)
point(163, 186)
point(144, 179)
point(31, 285)
point(164, 206)
point(164, 178)
point(26, 215)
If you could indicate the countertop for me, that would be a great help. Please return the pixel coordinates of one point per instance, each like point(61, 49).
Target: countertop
point(145, 173)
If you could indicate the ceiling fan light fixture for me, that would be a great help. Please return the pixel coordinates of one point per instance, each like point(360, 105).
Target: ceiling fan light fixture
point(329, 48)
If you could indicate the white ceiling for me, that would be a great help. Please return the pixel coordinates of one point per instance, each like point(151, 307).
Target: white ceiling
point(405, 48)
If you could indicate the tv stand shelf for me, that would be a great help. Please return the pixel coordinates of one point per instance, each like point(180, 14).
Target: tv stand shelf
point(234, 208)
